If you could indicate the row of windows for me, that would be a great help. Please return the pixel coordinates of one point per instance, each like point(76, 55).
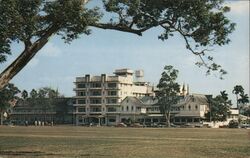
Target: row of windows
point(113, 109)
point(98, 101)
point(97, 109)
point(97, 93)
point(96, 85)
point(132, 108)
point(189, 107)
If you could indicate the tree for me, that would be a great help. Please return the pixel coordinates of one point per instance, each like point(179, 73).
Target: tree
point(246, 111)
point(168, 91)
point(25, 94)
point(46, 99)
point(238, 89)
point(202, 25)
point(8, 97)
point(33, 94)
point(243, 98)
point(219, 107)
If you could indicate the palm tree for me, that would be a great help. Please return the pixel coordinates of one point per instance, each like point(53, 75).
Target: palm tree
point(244, 98)
point(224, 95)
point(238, 89)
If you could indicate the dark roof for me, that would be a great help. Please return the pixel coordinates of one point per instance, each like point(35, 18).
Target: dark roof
point(133, 101)
point(149, 100)
point(197, 98)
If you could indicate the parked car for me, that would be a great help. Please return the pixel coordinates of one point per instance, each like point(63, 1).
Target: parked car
point(245, 125)
point(136, 125)
point(121, 125)
point(161, 124)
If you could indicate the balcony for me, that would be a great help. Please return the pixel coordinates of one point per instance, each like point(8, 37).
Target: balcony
point(79, 105)
point(95, 112)
point(79, 89)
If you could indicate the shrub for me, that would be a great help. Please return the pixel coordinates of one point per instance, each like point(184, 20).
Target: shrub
point(233, 124)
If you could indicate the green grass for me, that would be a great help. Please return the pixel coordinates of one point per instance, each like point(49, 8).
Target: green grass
point(104, 142)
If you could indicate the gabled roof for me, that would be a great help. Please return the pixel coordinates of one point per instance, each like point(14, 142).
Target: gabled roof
point(149, 100)
point(197, 98)
point(132, 100)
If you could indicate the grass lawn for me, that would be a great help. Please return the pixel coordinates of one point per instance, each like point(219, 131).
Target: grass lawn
point(108, 142)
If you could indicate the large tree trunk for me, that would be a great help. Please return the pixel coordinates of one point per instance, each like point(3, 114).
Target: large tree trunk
point(167, 115)
point(23, 59)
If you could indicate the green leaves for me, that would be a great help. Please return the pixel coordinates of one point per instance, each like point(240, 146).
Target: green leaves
point(202, 24)
point(168, 87)
point(71, 17)
point(7, 95)
point(219, 107)
point(28, 20)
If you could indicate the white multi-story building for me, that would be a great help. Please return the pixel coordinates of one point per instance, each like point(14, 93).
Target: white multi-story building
point(98, 98)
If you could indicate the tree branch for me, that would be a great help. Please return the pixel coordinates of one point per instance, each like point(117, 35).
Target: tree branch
point(118, 27)
point(23, 59)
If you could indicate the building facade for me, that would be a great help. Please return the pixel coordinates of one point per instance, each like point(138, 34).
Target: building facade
point(59, 112)
point(98, 98)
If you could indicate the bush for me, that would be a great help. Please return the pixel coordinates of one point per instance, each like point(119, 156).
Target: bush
point(233, 124)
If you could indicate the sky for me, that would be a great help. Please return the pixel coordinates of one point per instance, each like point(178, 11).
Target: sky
point(57, 64)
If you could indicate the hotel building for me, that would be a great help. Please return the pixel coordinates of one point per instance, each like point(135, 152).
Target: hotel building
point(98, 98)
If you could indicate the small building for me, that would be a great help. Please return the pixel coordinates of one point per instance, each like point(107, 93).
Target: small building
point(60, 110)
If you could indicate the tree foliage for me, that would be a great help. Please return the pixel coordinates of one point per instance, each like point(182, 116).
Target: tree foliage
point(219, 107)
point(168, 91)
point(8, 96)
point(241, 97)
point(24, 94)
point(202, 24)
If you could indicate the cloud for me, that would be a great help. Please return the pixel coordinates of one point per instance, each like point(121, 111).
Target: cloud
point(238, 7)
point(50, 50)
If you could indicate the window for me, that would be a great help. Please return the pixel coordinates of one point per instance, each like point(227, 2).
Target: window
point(95, 101)
point(96, 93)
point(122, 108)
point(111, 109)
point(82, 109)
point(81, 85)
point(112, 120)
point(189, 107)
point(95, 109)
point(112, 93)
point(196, 107)
point(96, 85)
point(81, 101)
point(112, 85)
point(81, 93)
point(127, 108)
point(112, 101)
point(132, 108)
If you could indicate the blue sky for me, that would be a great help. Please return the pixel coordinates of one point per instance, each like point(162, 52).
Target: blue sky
point(57, 64)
